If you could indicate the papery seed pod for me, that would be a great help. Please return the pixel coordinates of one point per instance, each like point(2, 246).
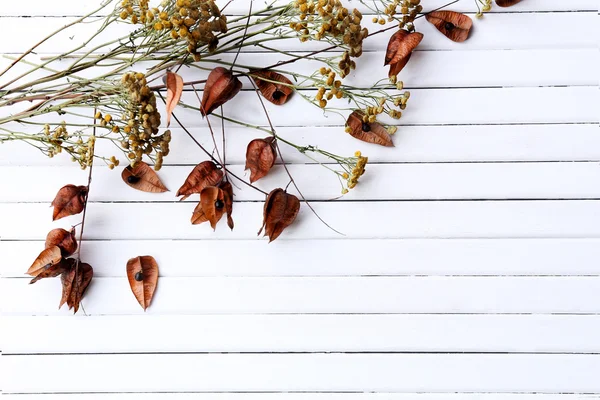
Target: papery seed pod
point(212, 201)
point(69, 200)
point(221, 86)
point(280, 210)
point(75, 281)
point(227, 189)
point(370, 132)
point(455, 26)
point(400, 48)
point(507, 3)
point(65, 240)
point(204, 174)
point(142, 273)
point(274, 87)
point(260, 157)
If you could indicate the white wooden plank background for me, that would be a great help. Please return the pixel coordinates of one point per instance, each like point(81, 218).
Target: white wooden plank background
point(469, 269)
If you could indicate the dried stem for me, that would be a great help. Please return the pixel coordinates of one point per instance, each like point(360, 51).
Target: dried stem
point(262, 103)
point(208, 153)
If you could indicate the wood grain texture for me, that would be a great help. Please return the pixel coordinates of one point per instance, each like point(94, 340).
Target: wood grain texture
point(322, 295)
point(337, 257)
point(305, 333)
point(307, 372)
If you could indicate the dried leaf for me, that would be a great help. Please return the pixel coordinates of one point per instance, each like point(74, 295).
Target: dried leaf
point(260, 157)
point(143, 177)
point(69, 200)
point(228, 198)
point(64, 239)
point(48, 258)
point(279, 212)
point(212, 200)
point(370, 132)
point(221, 86)
point(454, 25)
point(399, 49)
point(174, 84)
point(507, 3)
point(75, 281)
point(204, 174)
point(142, 273)
point(273, 86)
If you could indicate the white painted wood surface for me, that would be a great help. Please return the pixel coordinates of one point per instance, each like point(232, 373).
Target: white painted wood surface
point(469, 269)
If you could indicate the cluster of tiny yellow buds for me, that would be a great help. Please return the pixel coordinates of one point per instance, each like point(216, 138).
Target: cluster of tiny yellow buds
point(137, 11)
point(113, 162)
point(329, 18)
point(486, 5)
point(196, 21)
point(142, 120)
point(84, 152)
point(334, 86)
point(346, 64)
point(409, 9)
point(357, 171)
point(401, 100)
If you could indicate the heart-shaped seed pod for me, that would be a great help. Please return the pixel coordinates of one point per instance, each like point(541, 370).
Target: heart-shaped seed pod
point(399, 50)
point(455, 26)
point(221, 86)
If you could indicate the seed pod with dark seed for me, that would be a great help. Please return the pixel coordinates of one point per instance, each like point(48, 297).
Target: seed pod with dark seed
point(454, 25)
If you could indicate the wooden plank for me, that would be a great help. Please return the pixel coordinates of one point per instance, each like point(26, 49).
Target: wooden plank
point(463, 143)
point(426, 107)
point(474, 257)
point(491, 33)
point(68, 8)
point(304, 372)
point(303, 333)
point(486, 68)
point(305, 396)
point(384, 219)
point(323, 295)
point(392, 182)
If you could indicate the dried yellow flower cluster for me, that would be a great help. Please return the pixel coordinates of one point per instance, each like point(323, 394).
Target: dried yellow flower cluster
point(195, 21)
point(330, 83)
point(322, 18)
point(142, 121)
point(358, 170)
point(486, 5)
point(409, 10)
point(81, 151)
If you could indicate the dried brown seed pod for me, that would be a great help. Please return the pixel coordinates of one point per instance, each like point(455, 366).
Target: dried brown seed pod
point(65, 240)
point(260, 157)
point(399, 50)
point(142, 273)
point(204, 174)
point(69, 200)
point(507, 3)
point(370, 132)
point(276, 93)
point(75, 281)
point(454, 25)
point(48, 258)
point(174, 84)
point(143, 177)
point(212, 201)
point(221, 86)
point(228, 198)
point(280, 210)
